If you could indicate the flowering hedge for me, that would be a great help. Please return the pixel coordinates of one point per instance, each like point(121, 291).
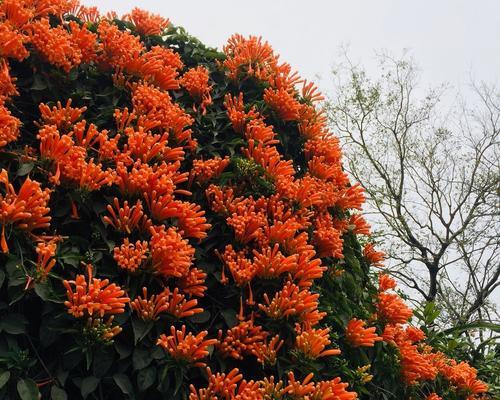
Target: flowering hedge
point(176, 223)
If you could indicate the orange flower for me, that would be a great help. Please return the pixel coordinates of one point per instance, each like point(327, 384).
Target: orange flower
point(358, 225)
point(188, 347)
point(27, 209)
point(376, 258)
point(392, 309)
point(351, 197)
point(7, 83)
point(258, 131)
point(171, 255)
point(249, 57)
point(312, 342)
point(119, 47)
point(385, 282)
point(218, 385)
point(433, 396)
point(167, 301)
point(130, 256)
point(55, 44)
point(242, 269)
point(193, 284)
point(93, 177)
point(271, 263)
point(292, 301)
point(85, 41)
point(61, 117)
point(247, 225)
point(124, 219)
point(334, 389)
point(283, 103)
point(94, 296)
point(147, 23)
point(270, 159)
point(328, 240)
point(267, 352)
point(12, 42)
point(46, 252)
point(195, 81)
point(242, 339)
point(237, 114)
point(9, 126)
point(299, 390)
point(203, 171)
point(359, 336)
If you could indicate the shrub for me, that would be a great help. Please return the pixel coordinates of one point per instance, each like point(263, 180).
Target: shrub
point(176, 223)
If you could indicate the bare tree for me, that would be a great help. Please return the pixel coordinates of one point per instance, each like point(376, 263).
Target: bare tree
point(432, 178)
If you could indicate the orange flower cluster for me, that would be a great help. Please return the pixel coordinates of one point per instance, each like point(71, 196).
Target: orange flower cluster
point(190, 348)
point(359, 336)
point(195, 81)
point(171, 302)
point(93, 296)
point(312, 342)
point(26, 210)
point(284, 219)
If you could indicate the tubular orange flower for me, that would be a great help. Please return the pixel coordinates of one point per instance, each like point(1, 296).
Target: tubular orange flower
point(267, 352)
point(358, 225)
point(385, 282)
point(312, 342)
point(205, 170)
point(433, 396)
point(271, 263)
point(61, 117)
point(392, 309)
point(9, 126)
point(12, 42)
point(236, 112)
point(242, 339)
point(130, 256)
point(249, 57)
point(195, 81)
point(376, 258)
point(167, 301)
point(26, 209)
point(219, 384)
point(351, 197)
point(334, 389)
point(171, 254)
point(188, 347)
point(86, 41)
point(270, 159)
point(93, 296)
point(293, 301)
point(193, 284)
point(359, 336)
point(55, 44)
point(93, 177)
point(46, 252)
point(147, 23)
point(328, 240)
point(150, 308)
point(242, 269)
point(118, 46)
point(283, 103)
point(298, 390)
point(247, 225)
point(124, 219)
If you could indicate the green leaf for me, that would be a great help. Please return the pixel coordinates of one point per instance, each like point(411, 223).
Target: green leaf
point(4, 378)
point(123, 383)
point(146, 377)
point(14, 324)
point(141, 358)
point(88, 385)
point(2, 277)
point(140, 328)
point(25, 169)
point(27, 389)
point(56, 393)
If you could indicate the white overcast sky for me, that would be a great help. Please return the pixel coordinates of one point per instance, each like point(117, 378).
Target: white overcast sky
point(450, 39)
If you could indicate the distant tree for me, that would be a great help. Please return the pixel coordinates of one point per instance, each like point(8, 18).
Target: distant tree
point(432, 179)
